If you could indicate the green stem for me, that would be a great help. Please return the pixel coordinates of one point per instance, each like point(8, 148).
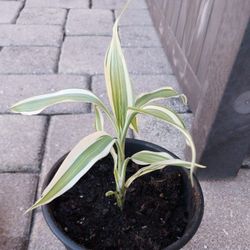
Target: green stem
point(122, 163)
point(121, 167)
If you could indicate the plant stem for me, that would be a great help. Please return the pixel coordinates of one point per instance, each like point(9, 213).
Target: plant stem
point(121, 167)
point(122, 164)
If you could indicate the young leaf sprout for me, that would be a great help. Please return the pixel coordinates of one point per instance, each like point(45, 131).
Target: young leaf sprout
point(125, 108)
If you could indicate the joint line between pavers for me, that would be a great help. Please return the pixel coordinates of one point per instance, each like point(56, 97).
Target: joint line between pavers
point(44, 140)
point(141, 47)
point(32, 219)
point(113, 15)
point(50, 114)
point(86, 74)
point(31, 46)
point(90, 4)
point(20, 171)
point(63, 39)
point(19, 12)
point(89, 35)
point(89, 86)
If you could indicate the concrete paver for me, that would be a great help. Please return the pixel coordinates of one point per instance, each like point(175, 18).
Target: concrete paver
point(83, 55)
point(28, 60)
point(50, 16)
point(38, 85)
point(89, 22)
point(57, 4)
point(139, 36)
point(41, 237)
point(17, 193)
point(9, 11)
point(21, 142)
point(147, 61)
point(226, 218)
point(118, 4)
point(135, 17)
point(30, 35)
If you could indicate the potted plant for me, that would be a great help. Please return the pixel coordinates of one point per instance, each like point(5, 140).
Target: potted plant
point(117, 193)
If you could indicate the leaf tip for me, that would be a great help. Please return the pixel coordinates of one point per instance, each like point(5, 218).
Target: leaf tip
point(29, 209)
point(13, 109)
point(184, 99)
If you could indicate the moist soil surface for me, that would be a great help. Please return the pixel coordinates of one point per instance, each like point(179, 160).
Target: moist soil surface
point(154, 215)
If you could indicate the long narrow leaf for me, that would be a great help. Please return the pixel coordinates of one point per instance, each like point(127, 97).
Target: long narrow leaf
point(37, 104)
point(166, 92)
point(162, 113)
point(99, 120)
point(117, 78)
point(83, 156)
point(146, 157)
point(159, 166)
point(115, 159)
point(173, 119)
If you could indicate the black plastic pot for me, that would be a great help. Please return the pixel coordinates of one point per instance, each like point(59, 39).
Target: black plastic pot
point(193, 195)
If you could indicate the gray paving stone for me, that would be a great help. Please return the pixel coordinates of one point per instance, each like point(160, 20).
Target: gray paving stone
point(38, 85)
point(58, 4)
point(32, 35)
point(21, 142)
point(41, 237)
point(226, 221)
point(118, 4)
point(139, 36)
point(50, 16)
point(158, 132)
point(9, 11)
point(147, 61)
point(83, 55)
point(89, 22)
point(64, 133)
point(17, 192)
point(143, 84)
point(28, 60)
point(135, 17)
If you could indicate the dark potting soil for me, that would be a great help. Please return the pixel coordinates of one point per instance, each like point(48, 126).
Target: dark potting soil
point(154, 216)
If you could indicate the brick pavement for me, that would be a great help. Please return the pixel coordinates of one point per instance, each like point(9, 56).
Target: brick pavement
point(51, 45)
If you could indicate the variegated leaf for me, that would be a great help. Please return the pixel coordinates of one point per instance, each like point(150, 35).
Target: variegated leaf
point(37, 104)
point(146, 157)
point(83, 156)
point(166, 92)
point(117, 78)
point(162, 113)
point(99, 120)
point(158, 166)
point(173, 119)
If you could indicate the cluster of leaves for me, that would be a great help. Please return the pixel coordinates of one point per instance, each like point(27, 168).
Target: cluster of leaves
point(123, 115)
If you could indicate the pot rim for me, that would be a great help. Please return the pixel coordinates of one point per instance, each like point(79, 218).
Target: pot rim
point(190, 230)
